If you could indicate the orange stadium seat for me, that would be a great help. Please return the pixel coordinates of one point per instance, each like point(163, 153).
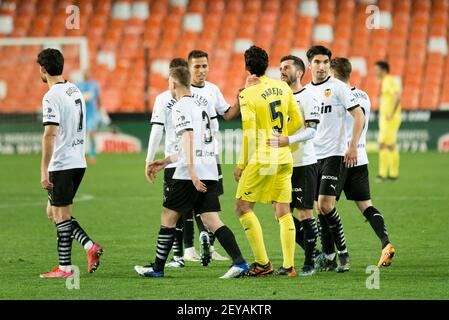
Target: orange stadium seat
point(276, 25)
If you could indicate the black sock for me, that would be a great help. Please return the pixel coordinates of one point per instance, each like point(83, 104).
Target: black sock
point(211, 238)
point(327, 243)
point(177, 243)
point(188, 229)
point(299, 233)
point(310, 238)
point(336, 229)
point(164, 244)
point(199, 223)
point(64, 232)
point(78, 233)
point(228, 242)
point(376, 220)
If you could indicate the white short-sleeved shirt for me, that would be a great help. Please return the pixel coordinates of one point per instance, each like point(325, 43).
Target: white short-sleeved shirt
point(335, 99)
point(161, 115)
point(304, 152)
point(363, 100)
point(213, 95)
point(63, 105)
point(191, 113)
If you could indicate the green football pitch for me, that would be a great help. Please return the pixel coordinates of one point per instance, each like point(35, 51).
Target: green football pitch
point(120, 210)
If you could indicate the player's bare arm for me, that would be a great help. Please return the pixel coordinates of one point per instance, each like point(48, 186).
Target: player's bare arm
point(359, 121)
point(151, 168)
point(48, 143)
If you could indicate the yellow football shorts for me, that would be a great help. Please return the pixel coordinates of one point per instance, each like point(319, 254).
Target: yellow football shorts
point(266, 183)
point(388, 132)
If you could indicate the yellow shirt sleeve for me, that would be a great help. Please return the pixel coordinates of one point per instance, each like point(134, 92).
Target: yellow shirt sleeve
point(249, 130)
point(295, 118)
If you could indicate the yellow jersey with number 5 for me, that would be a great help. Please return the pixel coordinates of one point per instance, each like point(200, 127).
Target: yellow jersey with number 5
point(267, 108)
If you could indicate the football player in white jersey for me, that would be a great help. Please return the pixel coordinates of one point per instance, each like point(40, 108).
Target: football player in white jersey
point(63, 160)
point(305, 168)
point(332, 152)
point(199, 69)
point(195, 185)
point(355, 180)
point(161, 121)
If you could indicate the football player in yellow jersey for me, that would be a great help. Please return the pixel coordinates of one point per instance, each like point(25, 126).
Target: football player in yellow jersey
point(389, 123)
point(264, 172)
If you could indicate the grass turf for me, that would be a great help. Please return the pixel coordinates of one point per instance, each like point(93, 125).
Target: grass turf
point(120, 210)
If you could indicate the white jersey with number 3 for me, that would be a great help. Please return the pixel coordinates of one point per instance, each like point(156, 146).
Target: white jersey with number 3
point(362, 99)
point(335, 100)
point(63, 105)
point(213, 95)
point(191, 113)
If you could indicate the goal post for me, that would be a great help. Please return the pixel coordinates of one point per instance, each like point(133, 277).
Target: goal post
point(21, 89)
point(53, 42)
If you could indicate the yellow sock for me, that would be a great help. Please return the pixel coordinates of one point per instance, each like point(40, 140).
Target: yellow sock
point(394, 163)
point(288, 235)
point(383, 162)
point(253, 231)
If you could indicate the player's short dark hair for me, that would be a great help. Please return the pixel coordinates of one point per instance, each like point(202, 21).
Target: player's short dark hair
point(178, 62)
point(316, 50)
point(342, 66)
point(297, 62)
point(181, 75)
point(195, 54)
point(384, 65)
point(256, 60)
point(52, 61)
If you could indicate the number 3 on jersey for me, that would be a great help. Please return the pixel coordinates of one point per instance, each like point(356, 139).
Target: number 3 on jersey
point(277, 115)
point(207, 132)
point(79, 104)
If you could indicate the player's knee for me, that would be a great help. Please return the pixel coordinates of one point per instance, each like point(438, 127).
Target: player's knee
point(363, 205)
point(304, 214)
point(241, 208)
point(325, 207)
point(50, 213)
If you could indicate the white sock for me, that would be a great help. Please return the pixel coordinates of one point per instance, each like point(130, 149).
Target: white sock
point(88, 245)
point(66, 268)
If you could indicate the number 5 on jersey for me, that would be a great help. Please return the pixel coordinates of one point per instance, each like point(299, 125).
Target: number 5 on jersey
point(277, 115)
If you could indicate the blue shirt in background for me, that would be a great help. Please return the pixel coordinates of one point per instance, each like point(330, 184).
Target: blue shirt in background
point(91, 88)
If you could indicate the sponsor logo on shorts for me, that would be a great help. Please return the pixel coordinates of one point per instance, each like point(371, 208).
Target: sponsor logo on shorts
point(297, 190)
point(248, 193)
point(329, 178)
point(332, 186)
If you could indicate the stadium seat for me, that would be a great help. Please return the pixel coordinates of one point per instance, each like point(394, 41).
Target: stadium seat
point(413, 39)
